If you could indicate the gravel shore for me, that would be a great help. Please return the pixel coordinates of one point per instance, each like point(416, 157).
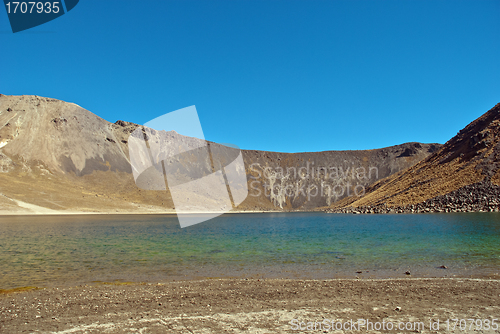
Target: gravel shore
point(478, 197)
point(255, 306)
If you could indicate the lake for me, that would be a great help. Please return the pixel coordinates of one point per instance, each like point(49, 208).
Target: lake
point(71, 250)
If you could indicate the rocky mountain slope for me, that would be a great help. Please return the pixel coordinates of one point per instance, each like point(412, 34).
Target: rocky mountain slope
point(463, 175)
point(57, 156)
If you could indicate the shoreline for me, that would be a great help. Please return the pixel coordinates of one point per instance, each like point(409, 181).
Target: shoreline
point(131, 213)
point(246, 305)
point(194, 277)
point(83, 213)
point(23, 289)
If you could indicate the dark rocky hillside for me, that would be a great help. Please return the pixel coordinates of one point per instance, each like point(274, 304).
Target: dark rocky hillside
point(463, 175)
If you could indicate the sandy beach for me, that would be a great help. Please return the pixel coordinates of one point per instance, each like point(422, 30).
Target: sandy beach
point(255, 306)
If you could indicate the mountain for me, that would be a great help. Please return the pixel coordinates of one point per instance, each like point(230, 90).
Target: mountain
point(463, 175)
point(56, 156)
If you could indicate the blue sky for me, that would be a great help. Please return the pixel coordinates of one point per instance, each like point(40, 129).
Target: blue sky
point(274, 75)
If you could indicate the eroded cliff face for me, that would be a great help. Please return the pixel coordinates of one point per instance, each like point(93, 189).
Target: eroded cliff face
point(307, 181)
point(60, 156)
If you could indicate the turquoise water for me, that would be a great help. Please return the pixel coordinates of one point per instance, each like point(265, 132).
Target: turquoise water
point(70, 250)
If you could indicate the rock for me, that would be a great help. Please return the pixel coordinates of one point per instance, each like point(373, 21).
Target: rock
point(407, 272)
point(122, 123)
point(59, 121)
point(478, 197)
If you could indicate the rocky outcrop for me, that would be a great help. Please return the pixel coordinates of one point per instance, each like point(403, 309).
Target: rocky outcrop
point(478, 197)
point(468, 163)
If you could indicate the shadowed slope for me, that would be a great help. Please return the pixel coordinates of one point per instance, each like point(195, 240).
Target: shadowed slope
point(470, 160)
